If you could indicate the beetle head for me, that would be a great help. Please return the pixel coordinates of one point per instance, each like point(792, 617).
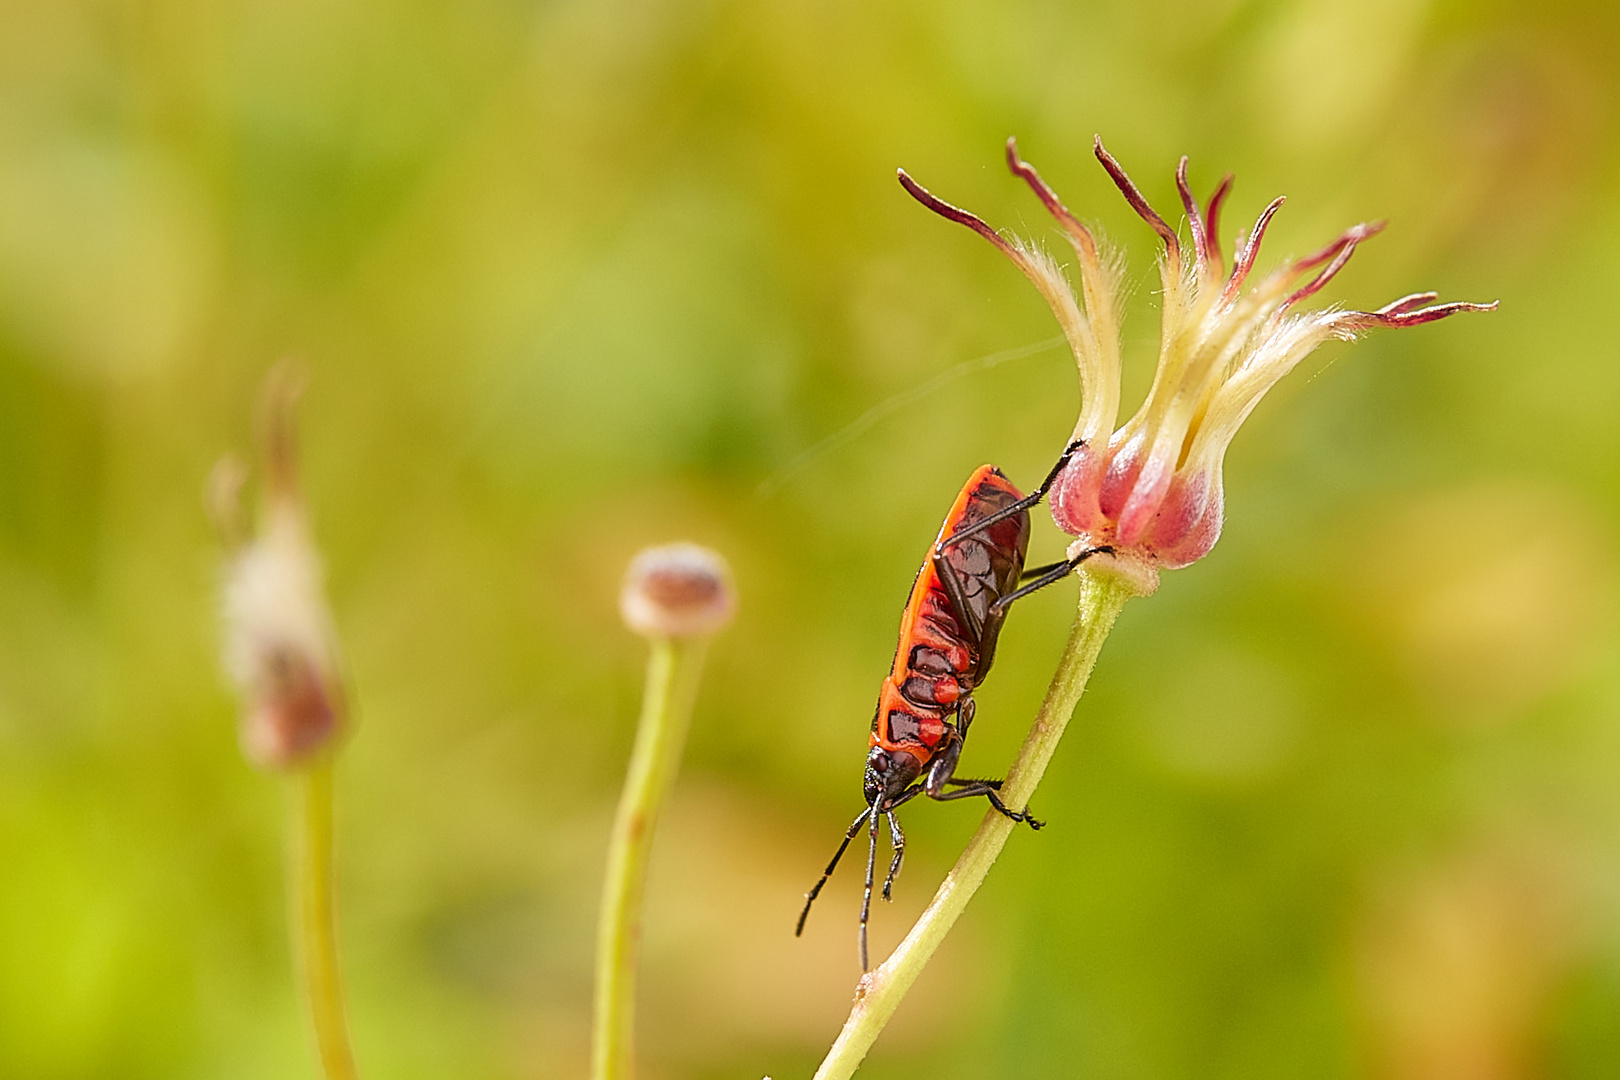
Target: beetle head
point(888, 774)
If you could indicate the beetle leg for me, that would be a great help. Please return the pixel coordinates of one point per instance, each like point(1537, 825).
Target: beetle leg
point(985, 633)
point(1022, 504)
point(1051, 575)
point(899, 840)
point(966, 710)
point(941, 778)
point(1044, 576)
point(810, 897)
point(989, 630)
point(904, 797)
point(952, 581)
point(972, 788)
point(939, 773)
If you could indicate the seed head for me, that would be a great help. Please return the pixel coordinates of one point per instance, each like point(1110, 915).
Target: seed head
point(678, 590)
point(280, 648)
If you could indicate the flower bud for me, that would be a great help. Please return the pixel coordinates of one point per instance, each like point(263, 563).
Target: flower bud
point(279, 647)
point(1151, 489)
point(678, 590)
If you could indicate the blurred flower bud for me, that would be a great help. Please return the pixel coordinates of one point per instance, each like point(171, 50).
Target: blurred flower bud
point(280, 648)
point(678, 590)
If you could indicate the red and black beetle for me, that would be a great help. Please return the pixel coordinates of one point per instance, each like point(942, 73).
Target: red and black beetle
point(947, 642)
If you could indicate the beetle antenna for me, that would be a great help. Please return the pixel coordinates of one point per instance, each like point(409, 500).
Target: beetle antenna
point(871, 866)
point(810, 897)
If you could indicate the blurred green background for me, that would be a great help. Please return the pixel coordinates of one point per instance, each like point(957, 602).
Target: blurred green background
point(571, 278)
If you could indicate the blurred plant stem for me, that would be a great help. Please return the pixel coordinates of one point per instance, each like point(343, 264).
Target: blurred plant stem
point(1102, 595)
point(315, 917)
point(673, 670)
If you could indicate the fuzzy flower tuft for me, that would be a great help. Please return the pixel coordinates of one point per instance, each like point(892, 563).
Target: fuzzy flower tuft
point(1151, 489)
point(280, 648)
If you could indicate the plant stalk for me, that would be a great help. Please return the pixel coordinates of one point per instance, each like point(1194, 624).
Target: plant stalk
point(1102, 595)
point(666, 713)
point(315, 918)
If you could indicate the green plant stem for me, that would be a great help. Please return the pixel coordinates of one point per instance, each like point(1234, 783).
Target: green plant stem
point(315, 918)
point(878, 994)
point(666, 713)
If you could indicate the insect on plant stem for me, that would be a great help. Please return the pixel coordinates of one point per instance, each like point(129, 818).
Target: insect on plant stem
point(1103, 593)
point(948, 633)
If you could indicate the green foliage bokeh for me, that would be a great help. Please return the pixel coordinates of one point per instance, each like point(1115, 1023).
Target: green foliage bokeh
point(571, 278)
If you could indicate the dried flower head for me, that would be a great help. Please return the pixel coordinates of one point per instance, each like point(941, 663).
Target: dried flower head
point(1152, 488)
point(678, 590)
point(280, 648)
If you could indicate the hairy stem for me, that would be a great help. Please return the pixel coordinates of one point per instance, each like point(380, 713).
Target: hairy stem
point(666, 712)
point(315, 918)
point(1102, 595)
